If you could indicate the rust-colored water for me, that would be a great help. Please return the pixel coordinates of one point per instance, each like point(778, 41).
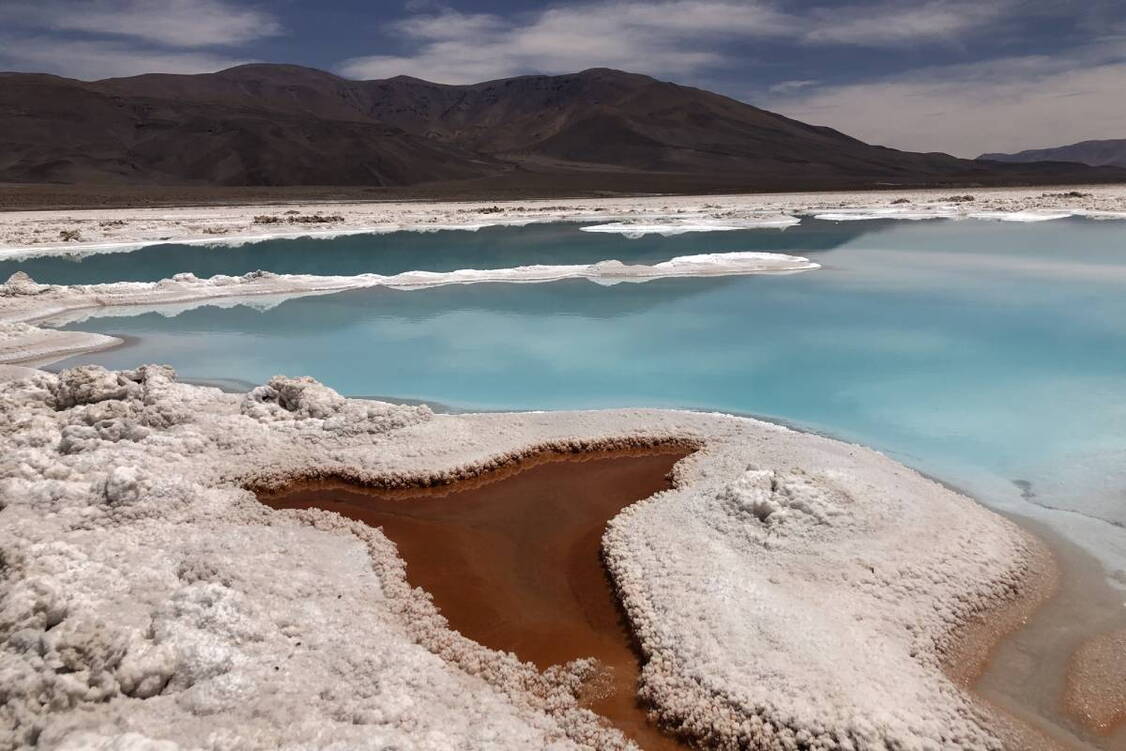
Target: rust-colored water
point(513, 560)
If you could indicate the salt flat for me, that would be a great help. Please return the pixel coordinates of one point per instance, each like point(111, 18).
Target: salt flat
point(24, 232)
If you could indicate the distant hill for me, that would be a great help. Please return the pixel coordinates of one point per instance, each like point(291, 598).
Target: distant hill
point(206, 129)
point(272, 125)
point(1108, 153)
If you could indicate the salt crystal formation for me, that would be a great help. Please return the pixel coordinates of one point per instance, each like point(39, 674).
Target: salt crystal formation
point(790, 591)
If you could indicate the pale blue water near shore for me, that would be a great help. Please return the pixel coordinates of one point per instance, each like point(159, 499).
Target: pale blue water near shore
point(985, 353)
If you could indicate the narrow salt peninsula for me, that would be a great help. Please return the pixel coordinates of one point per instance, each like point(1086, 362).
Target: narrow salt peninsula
point(790, 591)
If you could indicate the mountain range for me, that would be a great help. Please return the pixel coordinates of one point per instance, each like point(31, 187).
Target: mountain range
point(1107, 153)
point(283, 125)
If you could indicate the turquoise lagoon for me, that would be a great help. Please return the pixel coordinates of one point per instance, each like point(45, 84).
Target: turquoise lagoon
point(991, 354)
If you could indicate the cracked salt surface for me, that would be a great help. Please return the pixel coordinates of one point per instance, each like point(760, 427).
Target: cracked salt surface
point(790, 590)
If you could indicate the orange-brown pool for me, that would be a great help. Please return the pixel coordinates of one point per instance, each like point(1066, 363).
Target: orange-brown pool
point(513, 559)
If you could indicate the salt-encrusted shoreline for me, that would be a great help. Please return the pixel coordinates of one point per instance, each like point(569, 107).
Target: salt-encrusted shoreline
point(24, 343)
point(24, 233)
point(22, 300)
point(791, 591)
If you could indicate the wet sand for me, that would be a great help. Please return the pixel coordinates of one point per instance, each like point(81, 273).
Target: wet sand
point(1022, 660)
point(512, 559)
point(1096, 683)
point(1053, 670)
point(973, 652)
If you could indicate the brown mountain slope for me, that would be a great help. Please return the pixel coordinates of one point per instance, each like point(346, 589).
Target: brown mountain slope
point(610, 117)
point(288, 125)
point(171, 130)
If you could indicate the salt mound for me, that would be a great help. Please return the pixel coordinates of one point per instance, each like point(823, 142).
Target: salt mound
point(304, 398)
point(20, 283)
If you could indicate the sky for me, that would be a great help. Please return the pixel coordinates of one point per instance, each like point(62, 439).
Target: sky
point(958, 76)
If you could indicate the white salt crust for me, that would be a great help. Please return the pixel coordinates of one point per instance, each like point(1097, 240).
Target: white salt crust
point(681, 227)
point(30, 233)
point(790, 592)
point(23, 300)
point(22, 342)
point(955, 211)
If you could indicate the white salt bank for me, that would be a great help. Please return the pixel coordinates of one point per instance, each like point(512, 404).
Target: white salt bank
point(789, 591)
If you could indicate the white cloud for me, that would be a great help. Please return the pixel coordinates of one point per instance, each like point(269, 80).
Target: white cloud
point(897, 23)
point(789, 87)
point(90, 60)
point(173, 23)
point(1000, 105)
point(105, 38)
point(448, 24)
point(675, 37)
point(664, 37)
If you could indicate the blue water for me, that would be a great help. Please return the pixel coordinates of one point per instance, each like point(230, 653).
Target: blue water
point(490, 248)
point(987, 353)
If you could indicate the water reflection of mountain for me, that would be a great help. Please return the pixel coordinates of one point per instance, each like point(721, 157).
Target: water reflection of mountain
point(321, 313)
point(491, 247)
